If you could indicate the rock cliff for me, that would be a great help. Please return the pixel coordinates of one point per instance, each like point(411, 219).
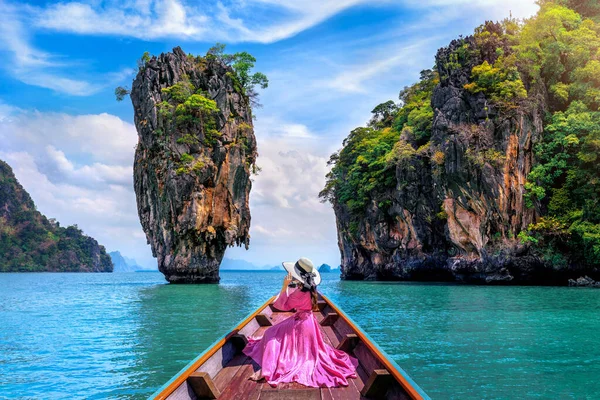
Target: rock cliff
point(456, 204)
point(29, 242)
point(193, 163)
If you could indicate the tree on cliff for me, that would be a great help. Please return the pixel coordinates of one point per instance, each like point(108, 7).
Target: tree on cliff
point(242, 63)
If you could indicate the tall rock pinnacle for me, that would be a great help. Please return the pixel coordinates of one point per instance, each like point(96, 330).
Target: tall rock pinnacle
point(193, 163)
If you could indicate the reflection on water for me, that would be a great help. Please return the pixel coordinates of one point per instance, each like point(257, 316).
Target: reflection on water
point(175, 323)
point(123, 335)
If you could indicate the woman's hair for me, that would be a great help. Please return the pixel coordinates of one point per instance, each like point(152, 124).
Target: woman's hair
point(309, 285)
point(314, 298)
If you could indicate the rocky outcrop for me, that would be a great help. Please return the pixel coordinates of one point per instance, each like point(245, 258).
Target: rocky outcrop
point(458, 205)
point(584, 281)
point(123, 264)
point(29, 242)
point(325, 268)
point(192, 163)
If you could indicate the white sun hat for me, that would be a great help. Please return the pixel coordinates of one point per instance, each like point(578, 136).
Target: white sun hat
point(301, 268)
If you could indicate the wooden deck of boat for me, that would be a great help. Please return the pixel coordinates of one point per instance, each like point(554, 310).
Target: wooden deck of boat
point(233, 383)
point(223, 373)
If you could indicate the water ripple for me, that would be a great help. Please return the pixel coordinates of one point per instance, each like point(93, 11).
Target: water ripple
point(121, 336)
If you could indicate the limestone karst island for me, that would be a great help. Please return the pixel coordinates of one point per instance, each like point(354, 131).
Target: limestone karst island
point(300, 200)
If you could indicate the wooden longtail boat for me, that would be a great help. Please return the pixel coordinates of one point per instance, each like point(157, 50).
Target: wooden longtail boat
point(222, 371)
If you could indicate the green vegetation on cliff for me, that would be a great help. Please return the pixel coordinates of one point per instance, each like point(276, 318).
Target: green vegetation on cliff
point(365, 167)
point(550, 62)
point(29, 242)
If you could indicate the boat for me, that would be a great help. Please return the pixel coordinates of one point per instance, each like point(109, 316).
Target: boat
point(222, 371)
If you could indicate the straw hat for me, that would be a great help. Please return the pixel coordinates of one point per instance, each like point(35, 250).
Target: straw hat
point(301, 269)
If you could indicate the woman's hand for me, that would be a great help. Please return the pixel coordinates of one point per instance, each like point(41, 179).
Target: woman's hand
point(286, 281)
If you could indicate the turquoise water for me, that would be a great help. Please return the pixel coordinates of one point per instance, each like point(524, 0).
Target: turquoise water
point(102, 336)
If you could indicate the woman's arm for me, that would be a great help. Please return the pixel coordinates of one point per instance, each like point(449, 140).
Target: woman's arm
point(286, 282)
point(281, 300)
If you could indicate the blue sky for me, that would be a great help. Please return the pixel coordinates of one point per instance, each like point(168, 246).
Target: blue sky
point(329, 63)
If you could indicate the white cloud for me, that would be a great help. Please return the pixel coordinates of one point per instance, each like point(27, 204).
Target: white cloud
point(288, 220)
point(160, 19)
point(239, 21)
point(78, 169)
point(355, 77)
point(103, 138)
point(262, 21)
point(38, 68)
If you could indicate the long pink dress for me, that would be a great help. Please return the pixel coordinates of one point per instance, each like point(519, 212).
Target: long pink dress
point(294, 351)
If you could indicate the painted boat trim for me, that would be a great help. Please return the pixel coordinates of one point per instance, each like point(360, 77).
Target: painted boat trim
point(165, 390)
point(407, 383)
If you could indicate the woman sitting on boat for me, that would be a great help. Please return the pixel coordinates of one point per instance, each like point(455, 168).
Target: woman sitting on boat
point(294, 350)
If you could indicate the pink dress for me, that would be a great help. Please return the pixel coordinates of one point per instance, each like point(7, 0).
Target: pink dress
point(294, 351)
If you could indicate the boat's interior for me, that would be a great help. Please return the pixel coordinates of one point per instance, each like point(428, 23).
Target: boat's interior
point(225, 374)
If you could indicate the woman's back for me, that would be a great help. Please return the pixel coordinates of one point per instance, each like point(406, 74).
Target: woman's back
point(293, 298)
point(294, 350)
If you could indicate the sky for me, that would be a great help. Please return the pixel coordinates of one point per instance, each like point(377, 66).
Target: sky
point(329, 63)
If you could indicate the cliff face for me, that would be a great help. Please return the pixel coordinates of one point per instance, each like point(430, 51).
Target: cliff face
point(192, 163)
point(29, 242)
point(457, 205)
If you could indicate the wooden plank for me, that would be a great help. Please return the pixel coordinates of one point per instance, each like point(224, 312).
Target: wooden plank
point(342, 328)
point(183, 392)
point(249, 328)
point(378, 384)
point(299, 394)
point(277, 317)
point(321, 304)
point(260, 332)
point(327, 309)
point(203, 386)
point(325, 394)
point(219, 359)
point(367, 359)
point(318, 316)
point(329, 319)
point(361, 378)
point(348, 343)
point(331, 337)
point(268, 311)
point(228, 372)
point(240, 387)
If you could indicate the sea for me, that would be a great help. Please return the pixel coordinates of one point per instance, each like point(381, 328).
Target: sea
point(123, 335)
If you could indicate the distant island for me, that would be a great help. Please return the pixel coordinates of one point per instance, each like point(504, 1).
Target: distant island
point(30, 242)
point(235, 264)
point(124, 264)
point(325, 268)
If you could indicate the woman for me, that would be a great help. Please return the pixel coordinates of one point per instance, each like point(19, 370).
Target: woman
point(294, 350)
